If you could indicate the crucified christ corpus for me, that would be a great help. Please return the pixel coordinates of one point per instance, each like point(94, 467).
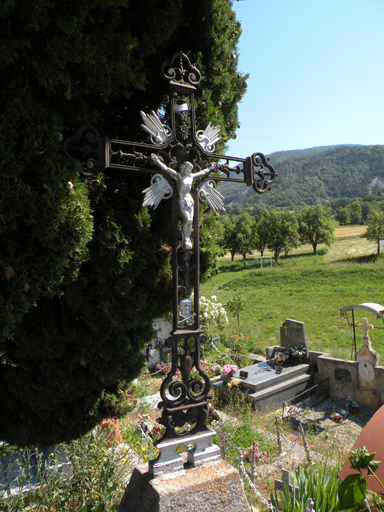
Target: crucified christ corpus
point(184, 180)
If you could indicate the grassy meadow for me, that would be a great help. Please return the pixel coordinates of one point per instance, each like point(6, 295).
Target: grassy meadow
point(309, 288)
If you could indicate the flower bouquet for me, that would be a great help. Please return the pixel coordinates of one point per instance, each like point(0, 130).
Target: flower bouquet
point(298, 352)
point(281, 355)
point(234, 384)
point(260, 457)
point(229, 369)
point(163, 368)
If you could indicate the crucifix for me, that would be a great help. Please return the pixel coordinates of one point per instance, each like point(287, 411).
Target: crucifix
point(185, 167)
point(366, 326)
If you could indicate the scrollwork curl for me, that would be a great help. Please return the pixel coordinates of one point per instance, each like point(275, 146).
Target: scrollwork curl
point(178, 390)
point(261, 184)
point(183, 71)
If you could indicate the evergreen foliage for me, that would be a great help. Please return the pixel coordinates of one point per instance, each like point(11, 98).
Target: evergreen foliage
point(315, 226)
point(83, 269)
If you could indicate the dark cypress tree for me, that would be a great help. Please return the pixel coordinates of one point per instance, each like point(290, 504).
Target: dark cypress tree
point(83, 269)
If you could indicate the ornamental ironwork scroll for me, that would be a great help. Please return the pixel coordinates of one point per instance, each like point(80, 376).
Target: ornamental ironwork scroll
point(186, 169)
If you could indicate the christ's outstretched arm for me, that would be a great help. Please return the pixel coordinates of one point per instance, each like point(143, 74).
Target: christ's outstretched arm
point(155, 159)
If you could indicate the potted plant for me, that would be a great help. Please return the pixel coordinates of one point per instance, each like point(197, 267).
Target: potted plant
point(353, 406)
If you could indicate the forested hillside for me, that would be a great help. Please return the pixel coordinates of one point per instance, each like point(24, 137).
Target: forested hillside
point(315, 176)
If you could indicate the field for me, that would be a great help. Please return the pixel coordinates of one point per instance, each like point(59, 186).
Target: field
point(305, 287)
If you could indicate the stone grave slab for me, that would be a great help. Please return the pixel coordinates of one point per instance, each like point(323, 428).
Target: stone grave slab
point(293, 334)
point(22, 471)
point(262, 375)
point(267, 389)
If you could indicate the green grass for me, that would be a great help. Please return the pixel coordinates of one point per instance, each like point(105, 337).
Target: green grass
point(309, 288)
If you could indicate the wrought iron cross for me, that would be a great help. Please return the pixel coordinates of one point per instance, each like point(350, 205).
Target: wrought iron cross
point(185, 167)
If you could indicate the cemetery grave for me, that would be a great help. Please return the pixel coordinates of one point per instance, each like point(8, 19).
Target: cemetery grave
point(245, 426)
point(286, 373)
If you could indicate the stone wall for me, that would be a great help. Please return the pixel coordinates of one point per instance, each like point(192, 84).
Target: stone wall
point(344, 378)
point(327, 367)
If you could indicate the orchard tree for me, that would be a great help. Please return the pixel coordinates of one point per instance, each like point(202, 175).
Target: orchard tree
point(355, 212)
point(283, 232)
point(239, 235)
point(262, 230)
point(375, 227)
point(83, 268)
point(342, 216)
point(315, 226)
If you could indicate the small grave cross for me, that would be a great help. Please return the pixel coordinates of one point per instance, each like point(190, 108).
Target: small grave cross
point(283, 485)
point(366, 326)
point(184, 166)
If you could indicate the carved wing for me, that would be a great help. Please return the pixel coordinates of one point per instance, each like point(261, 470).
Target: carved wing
point(158, 132)
point(159, 189)
point(209, 194)
point(209, 137)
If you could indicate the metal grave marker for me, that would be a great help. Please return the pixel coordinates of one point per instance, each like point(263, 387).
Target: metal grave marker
point(185, 169)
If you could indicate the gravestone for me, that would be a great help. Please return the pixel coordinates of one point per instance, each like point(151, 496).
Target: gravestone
point(367, 359)
point(27, 470)
point(293, 334)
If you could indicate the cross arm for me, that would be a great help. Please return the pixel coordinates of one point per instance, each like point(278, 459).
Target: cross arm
point(256, 170)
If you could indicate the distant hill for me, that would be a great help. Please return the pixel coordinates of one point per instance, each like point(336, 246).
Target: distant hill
point(315, 176)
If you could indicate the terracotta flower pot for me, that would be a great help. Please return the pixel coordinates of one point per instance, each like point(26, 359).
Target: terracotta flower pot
point(354, 410)
point(113, 426)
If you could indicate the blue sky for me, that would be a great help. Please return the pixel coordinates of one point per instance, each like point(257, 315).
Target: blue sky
point(316, 74)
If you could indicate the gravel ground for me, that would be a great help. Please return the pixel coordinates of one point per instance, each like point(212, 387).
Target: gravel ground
point(316, 422)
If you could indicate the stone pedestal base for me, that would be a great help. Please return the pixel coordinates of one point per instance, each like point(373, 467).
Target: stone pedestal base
point(168, 461)
point(214, 487)
point(369, 397)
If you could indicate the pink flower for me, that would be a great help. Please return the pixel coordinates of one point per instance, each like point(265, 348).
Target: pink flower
point(228, 368)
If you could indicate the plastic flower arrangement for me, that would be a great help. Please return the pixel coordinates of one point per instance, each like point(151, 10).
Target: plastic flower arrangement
point(162, 367)
point(297, 351)
point(281, 354)
point(229, 368)
point(351, 404)
point(234, 384)
point(260, 457)
point(216, 369)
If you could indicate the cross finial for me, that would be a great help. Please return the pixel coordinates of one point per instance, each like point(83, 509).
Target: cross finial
point(366, 326)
